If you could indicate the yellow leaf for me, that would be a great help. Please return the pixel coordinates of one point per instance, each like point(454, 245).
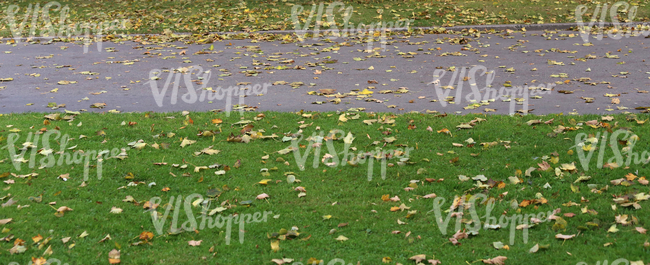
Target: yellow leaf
point(366, 92)
point(342, 238)
point(265, 181)
point(612, 229)
point(313, 260)
point(555, 159)
point(342, 118)
point(275, 245)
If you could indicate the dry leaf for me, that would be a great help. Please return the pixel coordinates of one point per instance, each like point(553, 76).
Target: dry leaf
point(63, 209)
point(282, 261)
point(500, 260)
point(640, 230)
point(194, 243)
point(418, 258)
point(342, 238)
point(116, 210)
point(565, 237)
point(275, 245)
point(114, 256)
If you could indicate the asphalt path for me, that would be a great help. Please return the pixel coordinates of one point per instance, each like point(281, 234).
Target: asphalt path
point(608, 76)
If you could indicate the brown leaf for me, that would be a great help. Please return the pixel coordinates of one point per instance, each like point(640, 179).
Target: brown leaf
point(457, 236)
point(114, 256)
point(146, 235)
point(544, 166)
point(418, 258)
point(246, 128)
point(63, 209)
point(37, 238)
point(500, 260)
point(39, 261)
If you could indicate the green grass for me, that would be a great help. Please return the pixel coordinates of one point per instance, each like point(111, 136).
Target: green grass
point(203, 16)
point(343, 192)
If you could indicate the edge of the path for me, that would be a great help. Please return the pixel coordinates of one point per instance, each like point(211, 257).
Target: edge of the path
point(501, 27)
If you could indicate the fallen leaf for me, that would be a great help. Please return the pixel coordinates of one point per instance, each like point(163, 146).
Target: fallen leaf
point(187, 142)
point(114, 256)
point(500, 260)
point(418, 258)
point(275, 245)
point(565, 237)
point(429, 196)
point(194, 243)
point(341, 238)
point(116, 210)
point(534, 249)
point(640, 230)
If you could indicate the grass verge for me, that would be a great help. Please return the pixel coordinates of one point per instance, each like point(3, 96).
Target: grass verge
point(338, 200)
point(203, 16)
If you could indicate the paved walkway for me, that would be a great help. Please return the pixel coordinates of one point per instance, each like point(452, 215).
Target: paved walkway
point(610, 76)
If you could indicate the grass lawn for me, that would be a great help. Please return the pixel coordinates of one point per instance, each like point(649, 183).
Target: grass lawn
point(202, 16)
point(340, 213)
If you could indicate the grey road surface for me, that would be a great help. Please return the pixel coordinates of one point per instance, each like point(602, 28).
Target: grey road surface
point(549, 72)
